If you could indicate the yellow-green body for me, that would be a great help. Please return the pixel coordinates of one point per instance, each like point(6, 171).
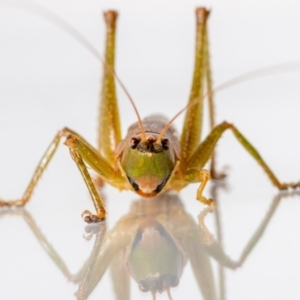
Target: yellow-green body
point(150, 159)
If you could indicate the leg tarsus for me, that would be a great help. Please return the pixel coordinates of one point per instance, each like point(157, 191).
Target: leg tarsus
point(91, 218)
point(296, 185)
point(286, 186)
point(204, 177)
point(206, 201)
point(12, 203)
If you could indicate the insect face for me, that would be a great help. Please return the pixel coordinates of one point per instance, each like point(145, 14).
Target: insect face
point(148, 164)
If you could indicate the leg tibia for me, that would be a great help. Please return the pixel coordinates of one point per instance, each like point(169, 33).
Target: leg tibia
point(46, 158)
point(109, 129)
point(191, 132)
point(206, 148)
point(259, 159)
point(82, 152)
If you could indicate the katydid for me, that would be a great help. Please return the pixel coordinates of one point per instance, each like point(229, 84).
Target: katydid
point(150, 159)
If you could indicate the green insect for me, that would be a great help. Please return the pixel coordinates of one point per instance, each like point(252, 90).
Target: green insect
point(150, 159)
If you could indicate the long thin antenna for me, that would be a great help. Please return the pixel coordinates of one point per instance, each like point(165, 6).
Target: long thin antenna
point(108, 67)
point(254, 74)
point(60, 23)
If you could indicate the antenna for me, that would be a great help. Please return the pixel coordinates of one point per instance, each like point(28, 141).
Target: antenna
point(63, 25)
point(293, 66)
point(56, 20)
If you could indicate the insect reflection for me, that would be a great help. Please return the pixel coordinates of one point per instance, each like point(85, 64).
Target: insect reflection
point(152, 244)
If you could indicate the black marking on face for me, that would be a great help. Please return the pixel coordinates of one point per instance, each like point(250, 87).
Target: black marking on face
point(158, 189)
point(133, 184)
point(161, 185)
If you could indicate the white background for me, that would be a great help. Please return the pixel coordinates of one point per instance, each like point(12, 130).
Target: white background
point(48, 81)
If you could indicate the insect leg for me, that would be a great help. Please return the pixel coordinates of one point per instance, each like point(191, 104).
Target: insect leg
point(210, 97)
point(191, 132)
point(204, 151)
point(259, 159)
point(109, 130)
point(43, 163)
point(83, 153)
point(202, 79)
point(80, 150)
point(196, 175)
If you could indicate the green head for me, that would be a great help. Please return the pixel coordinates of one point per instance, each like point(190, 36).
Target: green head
point(148, 164)
point(155, 262)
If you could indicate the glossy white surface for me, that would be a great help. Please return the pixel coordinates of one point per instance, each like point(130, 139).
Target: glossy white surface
point(49, 81)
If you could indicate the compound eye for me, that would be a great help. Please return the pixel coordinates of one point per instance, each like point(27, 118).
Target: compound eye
point(165, 144)
point(134, 143)
point(133, 184)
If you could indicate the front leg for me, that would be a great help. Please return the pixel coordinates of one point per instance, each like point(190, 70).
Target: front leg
point(98, 203)
point(196, 175)
point(83, 153)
